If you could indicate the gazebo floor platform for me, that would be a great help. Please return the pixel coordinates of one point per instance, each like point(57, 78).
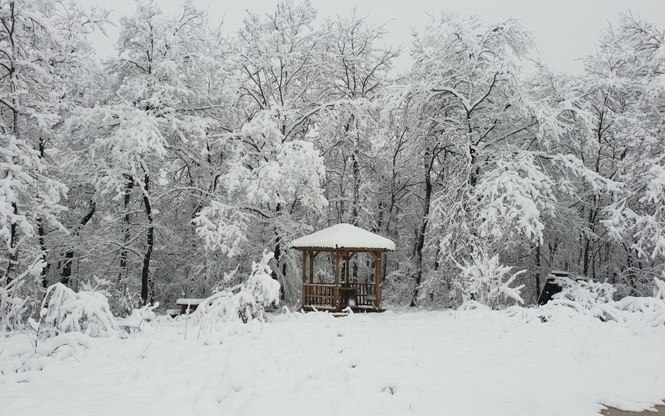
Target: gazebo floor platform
point(341, 312)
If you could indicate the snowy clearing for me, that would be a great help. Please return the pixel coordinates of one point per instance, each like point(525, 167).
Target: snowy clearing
point(473, 362)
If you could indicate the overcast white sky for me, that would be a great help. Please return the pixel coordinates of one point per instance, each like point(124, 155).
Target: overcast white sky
point(564, 30)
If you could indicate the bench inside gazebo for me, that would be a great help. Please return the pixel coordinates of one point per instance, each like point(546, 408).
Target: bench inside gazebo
point(343, 242)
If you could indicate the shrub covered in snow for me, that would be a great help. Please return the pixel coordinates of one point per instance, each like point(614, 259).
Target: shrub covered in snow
point(583, 293)
point(586, 297)
point(15, 304)
point(245, 302)
point(596, 300)
point(137, 320)
point(647, 310)
point(12, 306)
point(484, 281)
point(258, 292)
point(64, 310)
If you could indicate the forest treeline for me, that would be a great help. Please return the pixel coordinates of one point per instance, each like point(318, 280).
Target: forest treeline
point(163, 171)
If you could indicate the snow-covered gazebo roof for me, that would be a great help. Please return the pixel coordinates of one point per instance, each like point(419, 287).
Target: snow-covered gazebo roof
point(344, 236)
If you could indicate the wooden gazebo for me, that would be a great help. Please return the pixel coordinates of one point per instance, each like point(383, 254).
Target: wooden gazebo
point(343, 242)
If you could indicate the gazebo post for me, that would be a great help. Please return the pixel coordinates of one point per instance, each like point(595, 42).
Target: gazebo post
point(312, 256)
point(305, 253)
point(378, 271)
point(346, 269)
point(337, 255)
point(378, 278)
point(304, 266)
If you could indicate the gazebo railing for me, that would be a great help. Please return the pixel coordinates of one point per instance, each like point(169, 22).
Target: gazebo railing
point(365, 294)
point(320, 296)
point(323, 295)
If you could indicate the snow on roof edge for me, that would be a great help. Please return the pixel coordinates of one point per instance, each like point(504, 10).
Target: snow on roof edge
point(344, 235)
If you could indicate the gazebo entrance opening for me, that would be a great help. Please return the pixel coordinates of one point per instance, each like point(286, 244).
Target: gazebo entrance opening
point(349, 275)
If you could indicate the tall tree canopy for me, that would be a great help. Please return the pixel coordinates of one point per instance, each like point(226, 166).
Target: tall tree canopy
point(163, 171)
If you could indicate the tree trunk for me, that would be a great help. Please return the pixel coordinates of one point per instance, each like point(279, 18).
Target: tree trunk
point(13, 229)
point(277, 257)
point(538, 272)
point(13, 247)
point(66, 272)
point(42, 247)
point(420, 236)
point(123, 252)
point(356, 188)
point(278, 254)
point(150, 240)
point(40, 227)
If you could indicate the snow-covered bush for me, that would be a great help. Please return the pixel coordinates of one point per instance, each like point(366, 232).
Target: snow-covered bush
point(584, 293)
point(125, 297)
point(258, 292)
point(29, 359)
point(596, 300)
point(636, 281)
point(12, 307)
point(245, 302)
point(484, 281)
point(136, 322)
point(64, 310)
point(649, 310)
point(585, 297)
point(97, 284)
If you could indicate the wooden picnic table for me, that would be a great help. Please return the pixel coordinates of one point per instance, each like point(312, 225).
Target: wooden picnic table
point(188, 305)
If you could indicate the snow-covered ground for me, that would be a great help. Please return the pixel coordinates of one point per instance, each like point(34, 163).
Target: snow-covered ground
point(473, 362)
